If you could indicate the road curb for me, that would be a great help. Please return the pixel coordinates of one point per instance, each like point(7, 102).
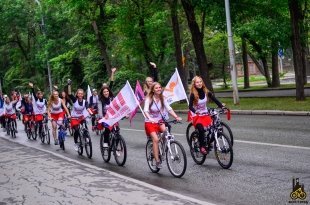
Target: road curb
point(261, 112)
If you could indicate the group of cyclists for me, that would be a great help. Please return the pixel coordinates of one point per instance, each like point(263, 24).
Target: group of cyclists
point(56, 109)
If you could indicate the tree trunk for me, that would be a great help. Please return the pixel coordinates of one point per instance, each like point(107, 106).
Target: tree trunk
point(266, 70)
point(177, 43)
point(147, 50)
point(295, 13)
point(102, 48)
point(245, 64)
point(197, 39)
point(275, 66)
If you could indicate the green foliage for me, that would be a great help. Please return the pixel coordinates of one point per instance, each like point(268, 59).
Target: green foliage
point(123, 75)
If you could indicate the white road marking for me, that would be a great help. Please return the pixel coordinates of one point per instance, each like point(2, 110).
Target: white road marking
point(240, 141)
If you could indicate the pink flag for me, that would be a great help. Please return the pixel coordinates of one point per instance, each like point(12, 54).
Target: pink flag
point(140, 97)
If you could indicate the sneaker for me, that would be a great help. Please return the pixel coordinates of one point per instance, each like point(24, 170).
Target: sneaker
point(105, 145)
point(56, 142)
point(203, 150)
point(76, 147)
point(118, 153)
point(16, 131)
point(158, 165)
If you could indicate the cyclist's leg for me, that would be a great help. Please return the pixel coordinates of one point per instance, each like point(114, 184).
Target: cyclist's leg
point(54, 127)
point(106, 135)
point(155, 141)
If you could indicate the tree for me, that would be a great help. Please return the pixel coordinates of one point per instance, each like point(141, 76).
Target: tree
point(296, 17)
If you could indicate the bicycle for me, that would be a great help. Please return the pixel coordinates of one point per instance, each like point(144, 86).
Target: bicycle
point(224, 127)
point(116, 145)
point(29, 126)
point(169, 149)
point(68, 126)
point(84, 139)
point(45, 133)
point(223, 149)
point(61, 134)
point(10, 125)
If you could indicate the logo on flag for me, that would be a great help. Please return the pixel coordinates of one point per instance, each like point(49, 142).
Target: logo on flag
point(174, 91)
point(124, 103)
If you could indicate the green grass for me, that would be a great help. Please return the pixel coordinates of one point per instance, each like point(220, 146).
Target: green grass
point(254, 88)
point(280, 103)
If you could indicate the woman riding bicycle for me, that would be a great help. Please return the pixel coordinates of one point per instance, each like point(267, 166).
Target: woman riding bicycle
point(9, 111)
point(78, 112)
point(199, 95)
point(156, 108)
point(55, 112)
point(39, 107)
point(26, 110)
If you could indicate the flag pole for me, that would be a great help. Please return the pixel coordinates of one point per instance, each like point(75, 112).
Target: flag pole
point(136, 99)
point(182, 85)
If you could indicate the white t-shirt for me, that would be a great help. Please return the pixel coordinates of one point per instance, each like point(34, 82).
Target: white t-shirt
point(156, 112)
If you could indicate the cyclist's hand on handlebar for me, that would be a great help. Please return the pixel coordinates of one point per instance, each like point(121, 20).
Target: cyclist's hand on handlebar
point(178, 119)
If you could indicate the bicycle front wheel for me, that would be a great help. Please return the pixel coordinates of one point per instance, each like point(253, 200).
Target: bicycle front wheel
point(226, 129)
point(47, 134)
point(88, 145)
point(223, 151)
point(80, 144)
point(188, 131)
point(150, 157)
point(13, 129)
point(105, 152)
point(176, 159)
point(120, 151)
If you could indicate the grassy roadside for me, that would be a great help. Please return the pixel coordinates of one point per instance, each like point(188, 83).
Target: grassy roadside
point(279, 103)
point(259, 87)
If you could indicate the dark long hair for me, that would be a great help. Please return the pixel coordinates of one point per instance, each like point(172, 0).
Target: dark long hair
point(101, 97)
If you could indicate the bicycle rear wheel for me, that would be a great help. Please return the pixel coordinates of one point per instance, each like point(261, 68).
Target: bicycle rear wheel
point(32, 129)
point(42, 134)
point(226, 129)
point(198, 157)
point(223, 152)
point(150, 157)
point(105, 152)
point(80, 144)
point(176, 159)
point(120, 150)
point(88, 144)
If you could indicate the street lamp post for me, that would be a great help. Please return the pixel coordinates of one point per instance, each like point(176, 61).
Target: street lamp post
point(44, 33)
point(231, 48)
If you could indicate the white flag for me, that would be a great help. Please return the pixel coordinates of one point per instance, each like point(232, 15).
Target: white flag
point(123, 104)
point(88, 94)
point(174, 91)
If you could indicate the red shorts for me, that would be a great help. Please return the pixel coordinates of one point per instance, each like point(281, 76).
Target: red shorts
point(13, 116)
point(205, 120)
point(38, 118)
point(76, 121)
point(58, 116)
point(27, 118)
point(151, 127)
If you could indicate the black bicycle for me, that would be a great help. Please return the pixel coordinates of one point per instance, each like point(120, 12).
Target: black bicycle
point(223, 149)
point(45, 132)
point(223, 127)
point(29, 126)
point(84, 140)
point(170, 150)
point(116, 145)
point(10, 125)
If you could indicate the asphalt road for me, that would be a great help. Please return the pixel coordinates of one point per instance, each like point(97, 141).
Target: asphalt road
point(268, 152)
point(264, 93)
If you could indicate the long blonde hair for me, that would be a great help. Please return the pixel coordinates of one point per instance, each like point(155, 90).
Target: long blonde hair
point(151, 95)
point(194, 89)
point(52, 98)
